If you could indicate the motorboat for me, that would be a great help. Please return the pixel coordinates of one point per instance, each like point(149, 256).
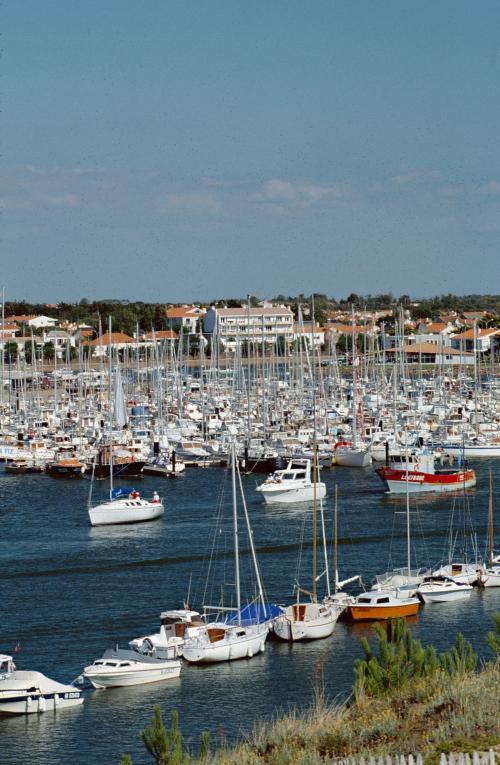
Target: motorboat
point(441, 589)
point(292, 485)
point(420, 472)
point(176, 626)
point(118, 668)
point(67, 467)
point(125, 506)
point(307, 621)
point(383, 604)
point(28, 692)
point(224, 642)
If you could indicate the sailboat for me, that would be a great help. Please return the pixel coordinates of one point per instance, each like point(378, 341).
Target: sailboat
point(353, 454)
point(490, 574)
point(235, 638)
point(386, 600)
point(124, 505)
point(311, 620)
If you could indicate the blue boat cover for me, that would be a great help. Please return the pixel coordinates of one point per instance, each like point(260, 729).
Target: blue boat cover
point(255, 613)
point(122, 491)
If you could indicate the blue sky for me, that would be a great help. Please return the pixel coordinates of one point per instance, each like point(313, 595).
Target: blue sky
point(178, 150)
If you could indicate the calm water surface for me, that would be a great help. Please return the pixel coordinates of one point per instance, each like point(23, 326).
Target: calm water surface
point(68, 592)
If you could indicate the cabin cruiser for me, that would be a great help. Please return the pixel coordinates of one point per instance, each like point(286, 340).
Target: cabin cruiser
point(383, 604)
point(118, 667)
point(27, 692)
point(292, 485)
point(441, 589)
point(176, 626)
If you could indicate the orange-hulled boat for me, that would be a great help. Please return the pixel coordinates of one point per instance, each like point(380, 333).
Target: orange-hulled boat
point(383, 604)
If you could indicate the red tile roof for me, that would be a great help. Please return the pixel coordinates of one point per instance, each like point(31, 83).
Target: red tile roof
point(117, 338)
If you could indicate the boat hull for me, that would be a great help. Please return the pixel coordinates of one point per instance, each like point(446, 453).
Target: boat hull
point(449, 596)
point(374, 613)
point(107, 515)
point(397, 481)
point(352, 458)
point(273, 495)
point(197, 652)
point(133, 677)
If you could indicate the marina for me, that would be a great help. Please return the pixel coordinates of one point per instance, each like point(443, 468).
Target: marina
point(66, 597)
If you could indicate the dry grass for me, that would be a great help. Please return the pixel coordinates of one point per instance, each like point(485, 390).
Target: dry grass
point(428, 716)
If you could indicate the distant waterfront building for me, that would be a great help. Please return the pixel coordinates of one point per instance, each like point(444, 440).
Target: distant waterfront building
point(480, 340)
point(232, 325)
point(184, 317)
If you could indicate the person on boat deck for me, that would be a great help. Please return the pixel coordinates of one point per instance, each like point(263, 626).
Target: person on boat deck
point(156, 498)
point(134, 494)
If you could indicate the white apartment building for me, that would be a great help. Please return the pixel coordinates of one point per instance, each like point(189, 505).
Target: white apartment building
point(233, 325)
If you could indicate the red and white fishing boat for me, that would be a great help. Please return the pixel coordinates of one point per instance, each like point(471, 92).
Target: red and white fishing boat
point(423, 472)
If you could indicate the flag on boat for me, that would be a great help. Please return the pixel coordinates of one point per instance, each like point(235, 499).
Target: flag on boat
point(121, 491)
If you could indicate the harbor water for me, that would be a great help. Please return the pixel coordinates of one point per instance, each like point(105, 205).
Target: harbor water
point(69, 591)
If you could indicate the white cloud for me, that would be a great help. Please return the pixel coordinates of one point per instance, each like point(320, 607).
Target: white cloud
point(277, 191)
point(194, 201)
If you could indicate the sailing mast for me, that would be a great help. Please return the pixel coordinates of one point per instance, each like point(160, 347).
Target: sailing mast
point(235, 533)
point(110, 413)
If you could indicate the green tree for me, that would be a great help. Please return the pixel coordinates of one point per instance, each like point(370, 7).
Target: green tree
point(49, 351)
point(166, 747)
point(493, 638)
point(10, 351)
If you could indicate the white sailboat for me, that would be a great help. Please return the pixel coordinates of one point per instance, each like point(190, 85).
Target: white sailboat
point(310, 620)
point(353, 454)
point(490, 574)
point(225, 641)
point(124, 505)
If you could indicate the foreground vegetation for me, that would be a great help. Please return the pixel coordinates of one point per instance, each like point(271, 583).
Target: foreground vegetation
point(406, 699)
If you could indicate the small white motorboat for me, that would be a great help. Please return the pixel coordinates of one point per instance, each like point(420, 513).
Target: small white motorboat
point(292, 485)
point(118, 668)
point(443, 589)
point(176, 626)
point(126, 506)
point(25, 692)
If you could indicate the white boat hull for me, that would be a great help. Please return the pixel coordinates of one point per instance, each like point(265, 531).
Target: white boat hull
point(490, 577)
point(122, 511)
point(285, 496)
point(315, 627)
point(200, 651)
point(444, 596)
point(25, 692)
point(123, 679)
point(352, 458)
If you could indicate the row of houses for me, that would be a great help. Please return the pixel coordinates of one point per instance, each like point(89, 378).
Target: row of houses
point(266, 323)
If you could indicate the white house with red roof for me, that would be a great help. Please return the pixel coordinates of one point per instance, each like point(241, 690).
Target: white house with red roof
point(185, 317)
